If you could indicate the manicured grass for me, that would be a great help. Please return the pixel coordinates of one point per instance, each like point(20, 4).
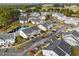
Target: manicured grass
point(11, 26)
point(56, 27)
point(32, 8)
point(45, 8)
point(48, 20)
point(29, 24)
point(75, 51)
point(14, 25)
point(19, 40)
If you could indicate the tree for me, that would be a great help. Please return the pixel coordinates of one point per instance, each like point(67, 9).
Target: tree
point(26, 8)
point(66, 12)
point(37, 8)
point(47, 17)
point(6, 14)
point(77, 13)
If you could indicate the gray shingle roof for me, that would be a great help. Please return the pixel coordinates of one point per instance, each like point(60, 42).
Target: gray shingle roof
point(67, 33)
point(35, 28)
point(75, 33)
point(36, 19)
point(53, 45)
point(23, 18)
point(27, 31)
point(55, 20)
point(5, 36)
point(59, 52)
point(63, 46)
point(30, 30)
point(47, 24)
point(36, 14)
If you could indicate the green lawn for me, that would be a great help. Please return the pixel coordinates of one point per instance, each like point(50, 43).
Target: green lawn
point(29, 24)
point(45, 8)
point(15, 25)
point(11, 26)
point(48, 20)
point(56, 27)
point(19, 40)
point(75, 51)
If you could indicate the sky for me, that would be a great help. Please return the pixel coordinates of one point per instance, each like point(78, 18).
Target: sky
point(39, 1)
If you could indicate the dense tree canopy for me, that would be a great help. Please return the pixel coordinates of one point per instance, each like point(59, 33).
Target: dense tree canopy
point(77, 12)
point(37, 8)
point(6, 14)
point(66, 12)
point(10, 11)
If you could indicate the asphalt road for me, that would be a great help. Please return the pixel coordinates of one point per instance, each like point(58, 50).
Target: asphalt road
point(14, 52)
point(50, 36)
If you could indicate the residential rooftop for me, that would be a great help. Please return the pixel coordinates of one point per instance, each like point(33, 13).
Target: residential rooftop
point(5, 36)
point(60, 47)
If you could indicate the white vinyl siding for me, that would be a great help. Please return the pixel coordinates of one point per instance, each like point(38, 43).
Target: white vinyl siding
point(23, 34)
